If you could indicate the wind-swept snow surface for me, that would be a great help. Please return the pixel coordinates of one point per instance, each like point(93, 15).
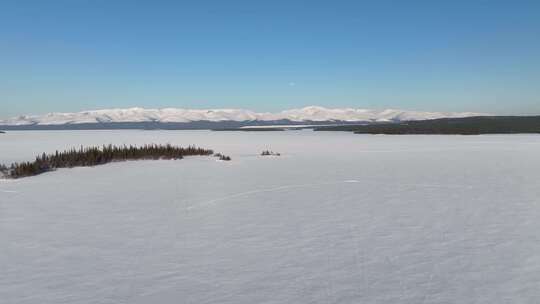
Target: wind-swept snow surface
point(338, 218)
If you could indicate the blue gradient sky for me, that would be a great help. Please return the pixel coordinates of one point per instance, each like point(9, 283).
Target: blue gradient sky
point(74, 55)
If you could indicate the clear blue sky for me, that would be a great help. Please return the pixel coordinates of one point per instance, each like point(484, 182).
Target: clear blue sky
point(270, 55)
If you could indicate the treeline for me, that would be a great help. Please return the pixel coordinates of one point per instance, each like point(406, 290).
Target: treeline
point(269, 153)
point(458, 126)
point(92, 156)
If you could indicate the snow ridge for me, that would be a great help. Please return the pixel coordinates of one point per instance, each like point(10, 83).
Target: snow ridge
point(311, 113)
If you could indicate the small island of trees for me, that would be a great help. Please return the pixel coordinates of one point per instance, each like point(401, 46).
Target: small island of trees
point(269, 153)
point(93, 156)
point(222, 157)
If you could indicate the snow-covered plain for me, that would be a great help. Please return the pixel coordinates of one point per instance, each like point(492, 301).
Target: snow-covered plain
point(339, 218)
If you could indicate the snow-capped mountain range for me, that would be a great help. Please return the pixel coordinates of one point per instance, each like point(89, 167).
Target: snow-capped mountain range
point(174, 115)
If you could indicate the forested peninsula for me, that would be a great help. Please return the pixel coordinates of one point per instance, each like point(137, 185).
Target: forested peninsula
point(93, 156)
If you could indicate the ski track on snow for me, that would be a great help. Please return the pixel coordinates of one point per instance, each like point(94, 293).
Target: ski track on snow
point(280, 188)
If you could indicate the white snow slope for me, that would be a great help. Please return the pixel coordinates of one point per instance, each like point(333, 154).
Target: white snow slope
point(313, 113)
point(338, 218)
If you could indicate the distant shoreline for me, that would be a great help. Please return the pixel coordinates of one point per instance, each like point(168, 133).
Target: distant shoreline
point(450, 126)
point(194, 125)
point(443, 126)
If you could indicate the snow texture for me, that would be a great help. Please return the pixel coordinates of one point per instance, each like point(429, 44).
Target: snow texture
point(338, 218)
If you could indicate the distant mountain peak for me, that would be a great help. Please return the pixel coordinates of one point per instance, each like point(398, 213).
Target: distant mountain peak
point(178, 115)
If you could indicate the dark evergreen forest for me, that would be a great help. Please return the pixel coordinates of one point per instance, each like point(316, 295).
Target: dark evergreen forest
point(450, 126)
point(93, 156)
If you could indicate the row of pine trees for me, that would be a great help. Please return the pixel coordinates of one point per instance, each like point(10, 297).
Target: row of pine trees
point(92, 156)
point(269, 153)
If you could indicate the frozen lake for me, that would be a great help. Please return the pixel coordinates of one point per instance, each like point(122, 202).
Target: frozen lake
point(339, 218)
